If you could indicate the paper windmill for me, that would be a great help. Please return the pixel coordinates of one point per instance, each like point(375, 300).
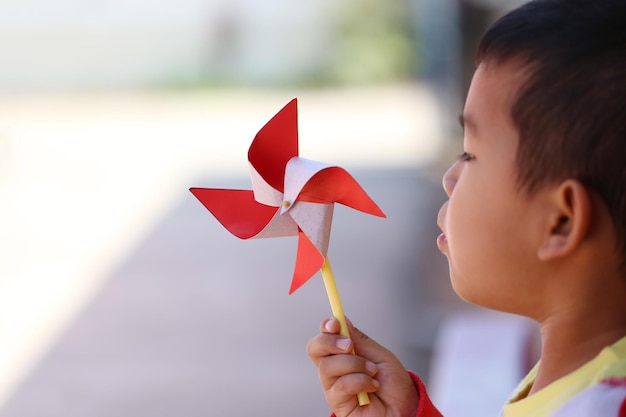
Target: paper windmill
point(290, 196)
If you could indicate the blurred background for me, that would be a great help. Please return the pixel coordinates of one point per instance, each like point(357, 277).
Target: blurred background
point(120, 295)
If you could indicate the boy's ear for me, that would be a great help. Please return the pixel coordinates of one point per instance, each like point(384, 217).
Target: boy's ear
point(568, 219)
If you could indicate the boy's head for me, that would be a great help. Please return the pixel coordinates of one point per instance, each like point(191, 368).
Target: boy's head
point(570, 111)
point(540, 190)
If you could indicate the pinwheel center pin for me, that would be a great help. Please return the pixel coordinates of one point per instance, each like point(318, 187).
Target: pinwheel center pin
point(277, 173)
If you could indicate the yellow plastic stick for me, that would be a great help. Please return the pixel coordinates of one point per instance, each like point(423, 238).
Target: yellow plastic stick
point(335, 305)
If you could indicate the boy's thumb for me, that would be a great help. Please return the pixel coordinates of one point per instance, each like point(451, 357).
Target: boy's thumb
point(366, 346)
point(356, 335)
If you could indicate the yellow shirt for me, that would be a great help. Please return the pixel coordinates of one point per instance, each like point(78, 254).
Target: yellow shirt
point(610, 362)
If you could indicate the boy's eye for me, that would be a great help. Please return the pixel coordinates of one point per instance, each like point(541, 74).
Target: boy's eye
point(465, 157)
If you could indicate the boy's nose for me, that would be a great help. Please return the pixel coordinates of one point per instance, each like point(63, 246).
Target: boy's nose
point(450, 178)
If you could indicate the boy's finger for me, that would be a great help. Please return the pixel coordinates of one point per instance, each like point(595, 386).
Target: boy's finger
point(330, 325)
point(348, 386)
point(324, 345)
point(332, 368)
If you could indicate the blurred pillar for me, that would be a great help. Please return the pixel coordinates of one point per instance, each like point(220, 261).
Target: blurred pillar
point(447, 34)
point(438, 43)
point(475, 18)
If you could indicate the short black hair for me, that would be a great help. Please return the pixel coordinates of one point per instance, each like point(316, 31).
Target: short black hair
point(571, 110)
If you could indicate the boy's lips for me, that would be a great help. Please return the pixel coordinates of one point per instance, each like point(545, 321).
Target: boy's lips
point(442, 215)
point(441, 239)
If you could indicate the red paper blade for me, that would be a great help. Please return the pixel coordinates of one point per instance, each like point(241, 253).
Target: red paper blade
point(236, 210)
point(335, 184)
point(275, 144)
point(308, 261)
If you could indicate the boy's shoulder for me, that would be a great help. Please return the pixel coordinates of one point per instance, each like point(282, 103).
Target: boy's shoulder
point(605, 399)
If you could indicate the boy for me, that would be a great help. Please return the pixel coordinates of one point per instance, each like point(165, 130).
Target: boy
point(535, 223)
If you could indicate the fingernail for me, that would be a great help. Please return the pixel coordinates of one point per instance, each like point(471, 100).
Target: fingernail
point(329, 325)
point(343, 344)
point(371, 367)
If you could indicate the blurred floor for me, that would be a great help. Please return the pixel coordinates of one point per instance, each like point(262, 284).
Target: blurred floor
point(120, 295)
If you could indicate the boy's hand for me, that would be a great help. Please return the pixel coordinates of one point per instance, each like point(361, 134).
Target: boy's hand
point(373, 369)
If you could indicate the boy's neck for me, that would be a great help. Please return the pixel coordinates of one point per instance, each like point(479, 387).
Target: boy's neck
point(577, 334)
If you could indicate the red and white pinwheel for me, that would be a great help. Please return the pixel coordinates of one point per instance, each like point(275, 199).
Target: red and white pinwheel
point(290, 195)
